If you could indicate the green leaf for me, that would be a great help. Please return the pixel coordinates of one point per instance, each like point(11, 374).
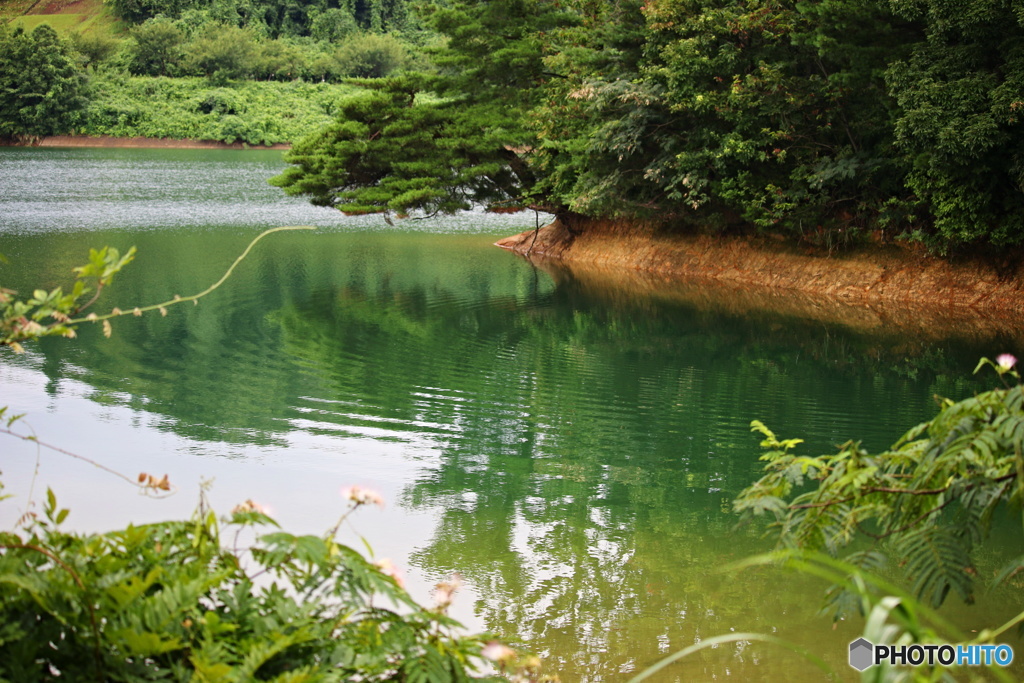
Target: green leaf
point(937, 560)
point(144, 644)
point(1010, 569)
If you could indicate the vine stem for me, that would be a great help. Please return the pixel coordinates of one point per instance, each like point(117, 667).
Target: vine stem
point(92, 317)
point(43, 444)
point(1007, 626)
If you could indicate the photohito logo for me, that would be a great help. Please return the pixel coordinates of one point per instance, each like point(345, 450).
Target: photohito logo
point(864, 653)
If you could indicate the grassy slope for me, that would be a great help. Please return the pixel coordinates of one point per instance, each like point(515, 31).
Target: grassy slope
point(257, 113)
point(254, 112)
point(82, 16)
point(14, 8)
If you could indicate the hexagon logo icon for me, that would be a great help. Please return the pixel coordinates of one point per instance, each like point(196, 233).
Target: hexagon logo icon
point(861, 654)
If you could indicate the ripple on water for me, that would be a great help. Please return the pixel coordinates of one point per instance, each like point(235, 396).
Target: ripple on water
point(574, 457)
point(142, 189)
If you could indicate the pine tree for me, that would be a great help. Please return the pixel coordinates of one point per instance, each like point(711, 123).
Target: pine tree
point(386, 153)
point(467, 144)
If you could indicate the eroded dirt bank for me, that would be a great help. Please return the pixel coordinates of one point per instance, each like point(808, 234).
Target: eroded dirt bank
point(886, 288)
point(158, 143)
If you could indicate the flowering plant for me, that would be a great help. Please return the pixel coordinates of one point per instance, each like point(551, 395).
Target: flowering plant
point(172, 601)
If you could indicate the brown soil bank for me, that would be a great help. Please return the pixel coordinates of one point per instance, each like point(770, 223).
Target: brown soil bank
point(165, 143)
point(884, 288)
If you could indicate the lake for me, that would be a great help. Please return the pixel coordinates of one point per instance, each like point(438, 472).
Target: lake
point(569, 447)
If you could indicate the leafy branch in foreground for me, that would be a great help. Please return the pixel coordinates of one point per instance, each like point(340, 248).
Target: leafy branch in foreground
point(171, 601)
point(210, 599)
point(53, 313)
point(48, 314)
point(928, 500)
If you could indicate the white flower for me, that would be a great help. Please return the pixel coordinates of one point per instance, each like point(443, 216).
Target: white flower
point(444, 592)
point(1006, 362)
point(388, 568)
point(497, 652)
point(361, 496)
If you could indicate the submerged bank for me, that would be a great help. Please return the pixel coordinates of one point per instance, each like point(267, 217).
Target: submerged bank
point(881, 287)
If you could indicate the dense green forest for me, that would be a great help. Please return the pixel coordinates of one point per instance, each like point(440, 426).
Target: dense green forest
point(828, 121)
point(254, 72)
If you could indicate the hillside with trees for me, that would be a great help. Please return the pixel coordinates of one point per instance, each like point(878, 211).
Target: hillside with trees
point(822, 121)
point(252, 72)
point(43, 89)
point(815, 120)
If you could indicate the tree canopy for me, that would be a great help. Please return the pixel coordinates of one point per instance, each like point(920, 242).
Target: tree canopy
point(816, 119)
point(277, 17)
point(385, 153)
point(43, 91)
point(391, 151)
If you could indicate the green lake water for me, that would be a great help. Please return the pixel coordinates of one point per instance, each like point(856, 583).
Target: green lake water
point(570, 451)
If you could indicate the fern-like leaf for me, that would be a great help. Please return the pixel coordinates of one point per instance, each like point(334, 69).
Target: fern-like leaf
point(937, 560)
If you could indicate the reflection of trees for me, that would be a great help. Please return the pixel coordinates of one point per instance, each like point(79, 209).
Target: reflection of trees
point(461, 322)
point(583, 447)
point(588, 452)
point(216, 371)
point(594, 551)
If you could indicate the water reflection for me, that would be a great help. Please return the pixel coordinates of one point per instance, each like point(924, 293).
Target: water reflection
point(570, 447)
point(589, 449)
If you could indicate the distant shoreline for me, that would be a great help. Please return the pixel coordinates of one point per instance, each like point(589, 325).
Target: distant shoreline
point(157, 143)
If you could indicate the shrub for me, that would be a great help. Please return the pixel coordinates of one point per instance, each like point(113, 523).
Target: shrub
point(95, 48)
point(171, 601)
point(188, 108)
point(279, 61)
point(223, 53)
point(155, 48)
point(222, 101)
point(369, 55)
point(928, 501)
point(43, 88)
